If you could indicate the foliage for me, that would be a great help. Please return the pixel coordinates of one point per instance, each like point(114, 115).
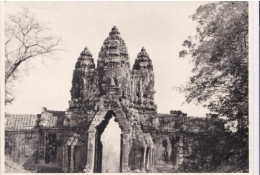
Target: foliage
point(26, 39)
point(217, 152)
point(219, 52)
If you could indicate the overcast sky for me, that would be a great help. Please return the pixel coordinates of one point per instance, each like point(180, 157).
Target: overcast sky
point(160, 27)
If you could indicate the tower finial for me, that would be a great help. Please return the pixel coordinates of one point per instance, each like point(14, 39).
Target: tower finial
point(143, 61)
point(114, 28)
point(143, 53)
point(86, 48)
point(86, 52)
point(114, 31)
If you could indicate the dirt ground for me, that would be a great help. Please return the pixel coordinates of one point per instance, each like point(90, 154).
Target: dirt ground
point(12, 167)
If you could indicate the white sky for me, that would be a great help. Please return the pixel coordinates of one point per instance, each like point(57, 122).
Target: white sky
point(160, 27)
point(111, 140)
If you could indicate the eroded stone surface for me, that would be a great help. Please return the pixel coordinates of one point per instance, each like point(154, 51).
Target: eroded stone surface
point(69, 141)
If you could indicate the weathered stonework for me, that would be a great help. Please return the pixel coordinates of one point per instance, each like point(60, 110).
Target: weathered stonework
point(113, 89)
point(70, 141)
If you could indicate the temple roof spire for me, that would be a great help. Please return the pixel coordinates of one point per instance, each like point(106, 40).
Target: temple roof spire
point(113, 51)
point(143, 60)
point(143, 55)
point(85, 60)
point(114, 31)
point(86, 52)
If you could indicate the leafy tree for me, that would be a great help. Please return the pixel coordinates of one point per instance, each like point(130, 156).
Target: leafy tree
point(219, 51)
point(26, 39)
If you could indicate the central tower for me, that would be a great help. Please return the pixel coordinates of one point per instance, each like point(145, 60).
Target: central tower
point(113, 66)
point(112, 89)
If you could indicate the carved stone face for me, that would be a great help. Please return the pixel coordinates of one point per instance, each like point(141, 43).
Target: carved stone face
point(112, 80)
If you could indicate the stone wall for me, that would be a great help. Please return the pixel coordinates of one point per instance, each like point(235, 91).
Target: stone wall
point(69, 141)
point(21, 145)
point(177, 135)
point(168, 151)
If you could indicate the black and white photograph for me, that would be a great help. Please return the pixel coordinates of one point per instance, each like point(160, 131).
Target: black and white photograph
point(127, 87)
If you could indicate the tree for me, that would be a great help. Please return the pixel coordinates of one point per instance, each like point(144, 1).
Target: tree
point(219, 52)
point(26, 39)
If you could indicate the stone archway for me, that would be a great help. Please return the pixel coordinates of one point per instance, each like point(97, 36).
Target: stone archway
point(99, 148)
point(94, 146)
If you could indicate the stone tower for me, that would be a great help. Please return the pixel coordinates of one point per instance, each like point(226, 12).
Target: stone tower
point(70, 141)
point(112, 89)
point(113, 66)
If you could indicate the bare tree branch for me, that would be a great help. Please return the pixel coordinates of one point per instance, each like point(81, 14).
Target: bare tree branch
point(26, 39)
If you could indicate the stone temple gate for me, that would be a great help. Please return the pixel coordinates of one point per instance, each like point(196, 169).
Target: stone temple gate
point(70, 141)
point(109, 89)
point(94, 161)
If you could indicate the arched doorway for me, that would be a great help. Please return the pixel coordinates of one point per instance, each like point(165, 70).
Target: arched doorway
point(95, 145)
point(107, 145)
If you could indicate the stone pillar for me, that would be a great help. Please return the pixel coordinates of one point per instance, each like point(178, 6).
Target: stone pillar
point(153, 158)
point(144, 158)
point(124, 152)
point(180, 152)
point(65, 160)
point(72, 159)
point(149, 165)
point(90, 152)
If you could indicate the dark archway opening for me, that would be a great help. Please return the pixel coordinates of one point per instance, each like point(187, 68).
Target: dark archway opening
point(174, 143)
point(107, 145)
